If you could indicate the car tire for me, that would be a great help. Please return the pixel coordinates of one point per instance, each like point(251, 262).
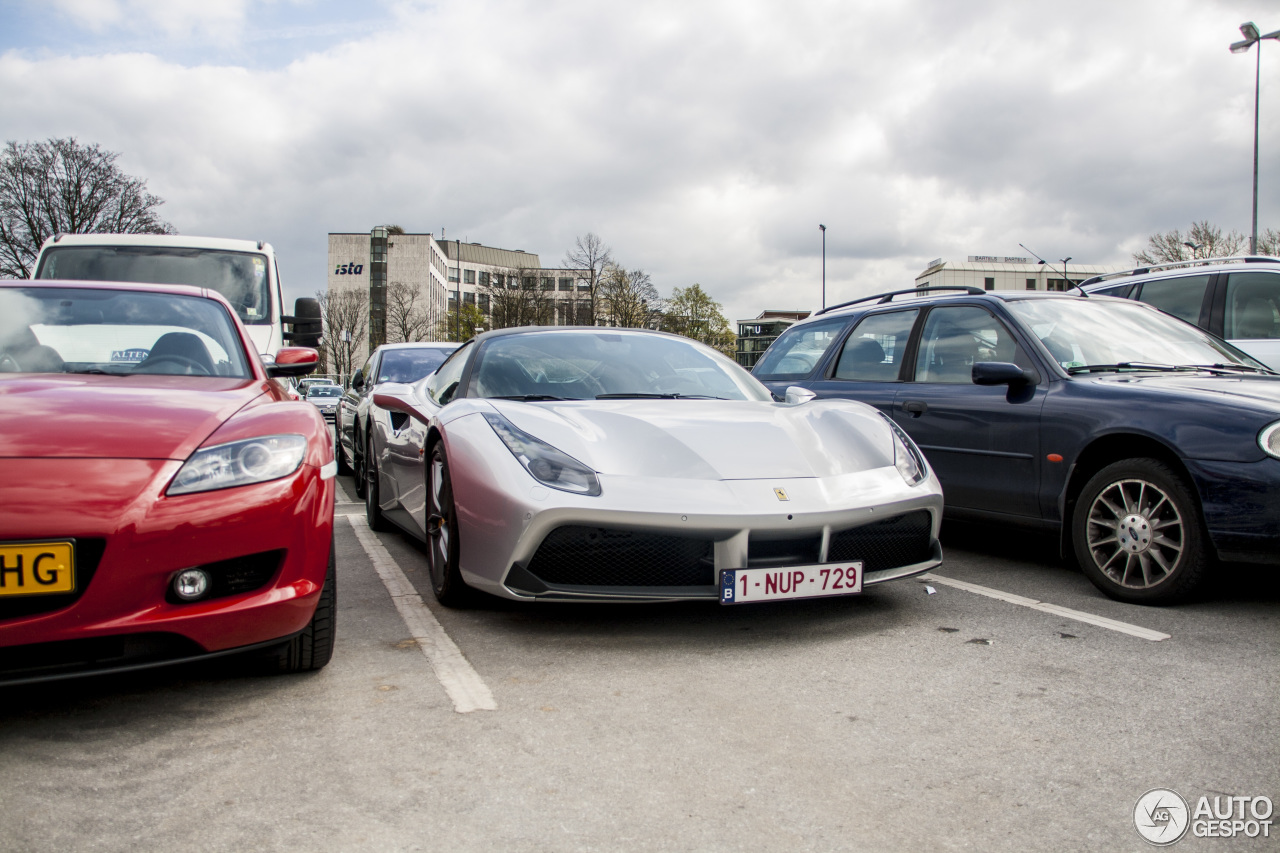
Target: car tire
point(442, 533)
point(1138, 533)
point(372, 489)
point(341, 457)
point(358, 464)
point(311, 649)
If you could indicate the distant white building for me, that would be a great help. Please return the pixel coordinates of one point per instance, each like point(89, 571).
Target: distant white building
point(990, 272)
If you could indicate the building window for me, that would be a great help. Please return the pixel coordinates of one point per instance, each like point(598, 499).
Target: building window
point(468, 276)
point(989, 283)
point(528, 282)
point(548, 283)
point(453, 274)
point(565, 284)
point(468, 298)
point(484, 279)
point(484, 302)
point(1031, 284)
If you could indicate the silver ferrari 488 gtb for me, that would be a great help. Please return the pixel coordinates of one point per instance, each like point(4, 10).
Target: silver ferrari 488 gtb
point(591, 464)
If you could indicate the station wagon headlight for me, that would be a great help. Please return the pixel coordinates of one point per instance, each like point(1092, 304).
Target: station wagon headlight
point(906, 457)
point(546, 464)
point(239, 463)
point(1269, 440)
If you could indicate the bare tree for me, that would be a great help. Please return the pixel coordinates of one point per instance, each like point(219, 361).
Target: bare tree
point(1208, 242)
point(629, 298)
point(60, 186)
point(406, 318)
point(346, 320)
point(516, 297)
point(1269, 243)
point(591, 258)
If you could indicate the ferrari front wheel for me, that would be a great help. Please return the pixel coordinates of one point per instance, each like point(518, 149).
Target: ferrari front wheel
point(442, 532)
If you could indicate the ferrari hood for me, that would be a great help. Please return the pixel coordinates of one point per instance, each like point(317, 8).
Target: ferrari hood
point(711, 439)
point(114, 417)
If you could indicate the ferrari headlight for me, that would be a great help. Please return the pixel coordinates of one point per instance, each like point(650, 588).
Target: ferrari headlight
point(546, 464)
point(239, 463)
point(906, 457)
point(1269, 440)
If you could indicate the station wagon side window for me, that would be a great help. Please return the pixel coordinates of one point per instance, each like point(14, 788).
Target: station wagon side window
point(956, 337)
point(1182, 297)
point(1253, 306)
point(873, 352)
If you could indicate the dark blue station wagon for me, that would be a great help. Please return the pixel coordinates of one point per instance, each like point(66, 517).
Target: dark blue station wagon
point(1153, 446)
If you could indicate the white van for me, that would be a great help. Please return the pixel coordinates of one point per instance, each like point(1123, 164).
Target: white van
point(243, 271)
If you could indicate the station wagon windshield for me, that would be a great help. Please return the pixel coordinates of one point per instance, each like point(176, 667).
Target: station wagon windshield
point(1120, 335)
point(241, 277)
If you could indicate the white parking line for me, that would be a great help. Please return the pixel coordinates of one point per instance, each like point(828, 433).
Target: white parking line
point(1077, 615)
point(463, 684)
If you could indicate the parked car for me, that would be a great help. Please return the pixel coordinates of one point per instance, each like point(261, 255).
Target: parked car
point(325, 398)
point(583, 464)
point(1153, 446)
point(356, 414)
point(161, 500)
point(1234, 298)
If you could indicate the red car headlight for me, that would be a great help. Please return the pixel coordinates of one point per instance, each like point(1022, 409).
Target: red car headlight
point(239, 463)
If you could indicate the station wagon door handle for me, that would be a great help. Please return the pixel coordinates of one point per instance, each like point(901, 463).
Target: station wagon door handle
point(916, 408)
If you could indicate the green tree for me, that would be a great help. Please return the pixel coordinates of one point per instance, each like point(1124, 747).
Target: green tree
point(461, 324)
point(60, 186)
point(694, 314)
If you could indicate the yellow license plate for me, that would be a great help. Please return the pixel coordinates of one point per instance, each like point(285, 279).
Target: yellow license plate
point(37, 568)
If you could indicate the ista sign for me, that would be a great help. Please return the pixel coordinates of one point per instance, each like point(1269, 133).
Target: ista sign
point(349, 269)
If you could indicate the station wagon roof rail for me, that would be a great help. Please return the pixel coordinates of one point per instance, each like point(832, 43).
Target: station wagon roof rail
point(883, 298)
point(1197, 262)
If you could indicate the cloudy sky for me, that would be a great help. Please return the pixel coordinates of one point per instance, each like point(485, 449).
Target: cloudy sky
point(703, 140)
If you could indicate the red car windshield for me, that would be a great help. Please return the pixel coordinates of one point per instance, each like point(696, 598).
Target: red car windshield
point(118, 332)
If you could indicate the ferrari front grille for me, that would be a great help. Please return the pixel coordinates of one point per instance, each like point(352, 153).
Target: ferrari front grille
point(887, 544)
point(595, 556)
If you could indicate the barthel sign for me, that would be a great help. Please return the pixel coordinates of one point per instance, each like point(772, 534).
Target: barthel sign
point(1162, 817)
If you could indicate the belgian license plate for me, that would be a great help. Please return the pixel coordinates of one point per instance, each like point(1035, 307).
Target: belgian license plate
point(745, 586)
point(37, 568)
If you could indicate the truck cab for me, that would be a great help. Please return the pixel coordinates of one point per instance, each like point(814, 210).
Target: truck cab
point(243, 271)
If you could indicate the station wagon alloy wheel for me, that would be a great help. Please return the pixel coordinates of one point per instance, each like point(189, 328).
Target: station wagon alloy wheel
point(1138, 533)
point(1135, 534)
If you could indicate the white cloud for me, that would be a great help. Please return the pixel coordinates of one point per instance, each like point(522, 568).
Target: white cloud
point(703, 140)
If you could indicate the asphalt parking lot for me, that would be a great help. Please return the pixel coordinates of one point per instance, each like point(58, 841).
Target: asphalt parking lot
point(1002, 704)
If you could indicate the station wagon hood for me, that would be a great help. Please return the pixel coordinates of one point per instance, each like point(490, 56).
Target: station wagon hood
point(1250, 389)
point(115, 417)
point(711, 439)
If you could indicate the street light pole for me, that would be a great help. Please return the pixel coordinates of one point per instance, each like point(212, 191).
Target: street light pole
point(1250, 32)
point(823, 229)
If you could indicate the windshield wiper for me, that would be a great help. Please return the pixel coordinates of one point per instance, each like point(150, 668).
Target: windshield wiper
point(1127, 365)
point(98, 371)
point(528, 398)
point(1243, 368)
point(640, 395)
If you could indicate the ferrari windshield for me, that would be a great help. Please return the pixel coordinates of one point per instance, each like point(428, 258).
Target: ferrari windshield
point(239, 276)
point(122, 332)
point(1119, 334)
point(613, 364)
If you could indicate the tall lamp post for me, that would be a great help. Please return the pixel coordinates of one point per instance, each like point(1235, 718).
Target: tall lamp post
point(823, 229)
point(1251, 37)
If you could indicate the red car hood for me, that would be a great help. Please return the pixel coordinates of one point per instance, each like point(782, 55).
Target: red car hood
point(115, 417)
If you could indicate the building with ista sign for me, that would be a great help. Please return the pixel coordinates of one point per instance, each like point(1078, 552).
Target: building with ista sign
point(991, 272)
